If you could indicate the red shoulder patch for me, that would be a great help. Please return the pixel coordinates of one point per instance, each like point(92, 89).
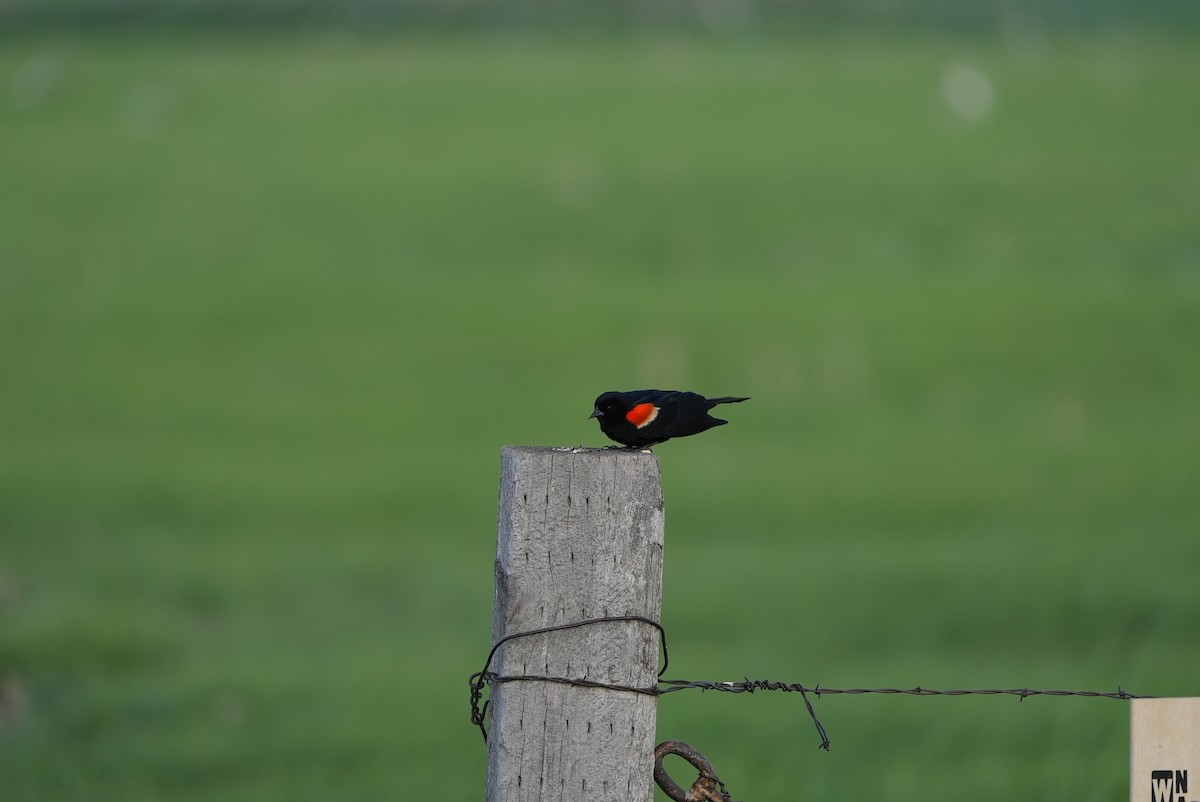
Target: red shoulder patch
point(642, 414)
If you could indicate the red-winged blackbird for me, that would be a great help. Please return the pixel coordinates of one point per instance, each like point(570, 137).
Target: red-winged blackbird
point(642, 418)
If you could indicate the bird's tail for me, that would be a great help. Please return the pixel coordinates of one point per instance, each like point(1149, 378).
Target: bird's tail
point(729, 399)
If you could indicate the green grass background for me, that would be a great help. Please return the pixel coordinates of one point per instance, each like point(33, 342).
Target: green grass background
point(270, 305)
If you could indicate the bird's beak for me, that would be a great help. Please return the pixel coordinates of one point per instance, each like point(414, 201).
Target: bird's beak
point(595, 413)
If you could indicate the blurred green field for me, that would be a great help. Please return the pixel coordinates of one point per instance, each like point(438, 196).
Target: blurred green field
point(269, 307)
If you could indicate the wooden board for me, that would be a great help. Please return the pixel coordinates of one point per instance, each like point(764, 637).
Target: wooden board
point(1164, 748)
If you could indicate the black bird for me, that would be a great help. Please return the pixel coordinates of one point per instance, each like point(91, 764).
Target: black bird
point(643, 418)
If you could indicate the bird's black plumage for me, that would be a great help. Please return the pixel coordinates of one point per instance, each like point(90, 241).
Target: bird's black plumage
point(642, 418)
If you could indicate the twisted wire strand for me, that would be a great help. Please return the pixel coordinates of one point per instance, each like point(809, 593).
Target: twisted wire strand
point(484, 678)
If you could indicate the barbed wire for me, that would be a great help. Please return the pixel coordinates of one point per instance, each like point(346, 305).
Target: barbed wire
point(484, 678)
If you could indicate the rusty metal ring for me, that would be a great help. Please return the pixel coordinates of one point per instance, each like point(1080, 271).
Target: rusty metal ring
point(708, 785)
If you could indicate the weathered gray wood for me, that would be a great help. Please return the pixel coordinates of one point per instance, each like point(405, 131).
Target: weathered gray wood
point(580, 536)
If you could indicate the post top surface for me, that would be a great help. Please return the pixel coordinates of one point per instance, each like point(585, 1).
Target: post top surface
point(616, 452)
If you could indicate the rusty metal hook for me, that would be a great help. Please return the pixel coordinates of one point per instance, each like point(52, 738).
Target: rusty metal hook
point(707, 787)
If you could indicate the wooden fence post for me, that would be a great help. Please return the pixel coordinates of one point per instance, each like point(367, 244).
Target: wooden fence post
point(580, 537)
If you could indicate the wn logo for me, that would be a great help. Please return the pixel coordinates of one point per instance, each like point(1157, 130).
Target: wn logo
point(1169, 786)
